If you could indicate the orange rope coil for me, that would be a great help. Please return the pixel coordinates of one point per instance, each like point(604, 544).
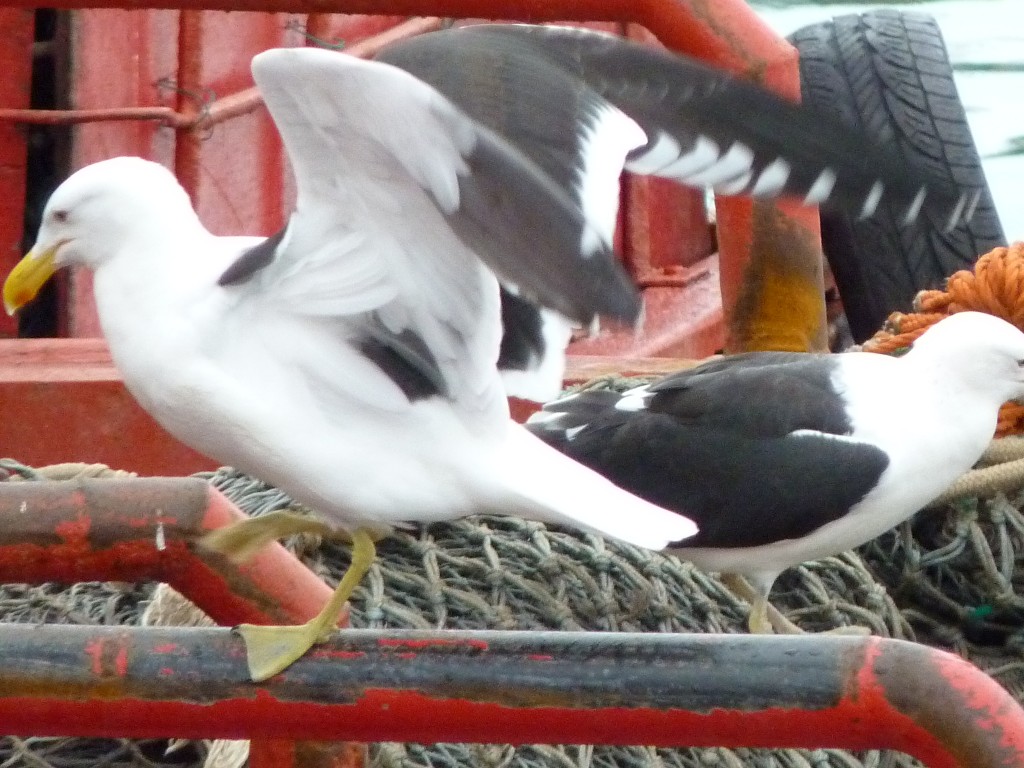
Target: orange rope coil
point(996, 286)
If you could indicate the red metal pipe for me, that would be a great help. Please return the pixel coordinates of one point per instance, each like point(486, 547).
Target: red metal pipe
point(188, 143)
point(147, 529)
point(164, 115)
point(224, 108)
point(515, 687)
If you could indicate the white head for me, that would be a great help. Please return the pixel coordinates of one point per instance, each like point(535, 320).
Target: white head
point(980, 350)
point(105, 203)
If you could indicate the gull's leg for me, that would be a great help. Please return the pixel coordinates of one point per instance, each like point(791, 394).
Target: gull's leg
point(271, 649)
point(245, 538)
point(765, 618)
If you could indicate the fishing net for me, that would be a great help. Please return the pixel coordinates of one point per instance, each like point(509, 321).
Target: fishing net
point(506, 573)
point(952, 577)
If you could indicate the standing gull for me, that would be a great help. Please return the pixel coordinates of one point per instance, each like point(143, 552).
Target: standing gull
point(352, 359)
point(782, 458)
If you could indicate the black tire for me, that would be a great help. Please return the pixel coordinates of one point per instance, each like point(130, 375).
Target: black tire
point(888, 73)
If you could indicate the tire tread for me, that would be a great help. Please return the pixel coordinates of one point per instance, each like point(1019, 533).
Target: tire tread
point(887, 73)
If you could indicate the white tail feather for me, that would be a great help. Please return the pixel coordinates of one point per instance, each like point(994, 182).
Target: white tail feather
point(552, 488)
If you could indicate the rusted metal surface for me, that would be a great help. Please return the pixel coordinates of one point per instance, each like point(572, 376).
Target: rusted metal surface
point(669, 690)
point(780, 298)
point(146, 529)
point(682, 318)
point(515, 687)
point(16, 28)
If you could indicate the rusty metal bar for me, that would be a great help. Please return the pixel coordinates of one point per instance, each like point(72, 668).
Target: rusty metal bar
point(188, 144)
point(224, 108)
point(515, 687)
point(146, 529)
point(164, 115)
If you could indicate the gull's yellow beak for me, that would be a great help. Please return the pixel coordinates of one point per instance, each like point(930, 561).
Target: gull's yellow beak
point(27, 277)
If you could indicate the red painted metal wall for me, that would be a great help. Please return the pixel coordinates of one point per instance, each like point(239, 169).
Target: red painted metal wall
point(16, 33)
point(163, 84)
point(176, 59)
point(234, 169)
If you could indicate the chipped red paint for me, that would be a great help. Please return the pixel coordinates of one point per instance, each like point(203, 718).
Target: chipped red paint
point(166, 648)
point(401, 642)
point(597, 688)
point(94, 650)
point(957, 673)
point(76, 530)
point(121, 662)
point(978, 713)
point(328, 653)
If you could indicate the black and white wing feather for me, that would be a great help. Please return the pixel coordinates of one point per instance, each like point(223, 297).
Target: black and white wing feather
point(587, 92)
point(401, 202)
point(498, 202)
point(755, 448)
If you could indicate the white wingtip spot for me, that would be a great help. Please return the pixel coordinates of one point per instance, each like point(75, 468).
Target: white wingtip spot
point(915, 207)
point(655, 156)
point(604, 142)
point(570, 434)
point(772, 179)
point(819, 435)
point(954, 217)
point(873, 199)
point(701, 155)
point(633, 400)
point(735, 186)
point(737, 161)
point(546, 419)
point(821, 188)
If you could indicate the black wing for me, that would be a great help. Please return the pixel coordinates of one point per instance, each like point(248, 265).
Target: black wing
point(718, 446)
point(536, 86)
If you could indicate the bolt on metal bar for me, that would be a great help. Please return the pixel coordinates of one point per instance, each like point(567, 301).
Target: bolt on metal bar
point(515, 687)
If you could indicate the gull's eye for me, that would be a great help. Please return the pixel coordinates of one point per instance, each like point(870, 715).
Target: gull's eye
point(60, 216)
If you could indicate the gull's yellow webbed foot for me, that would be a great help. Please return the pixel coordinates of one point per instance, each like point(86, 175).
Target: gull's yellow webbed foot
point(272, 649)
